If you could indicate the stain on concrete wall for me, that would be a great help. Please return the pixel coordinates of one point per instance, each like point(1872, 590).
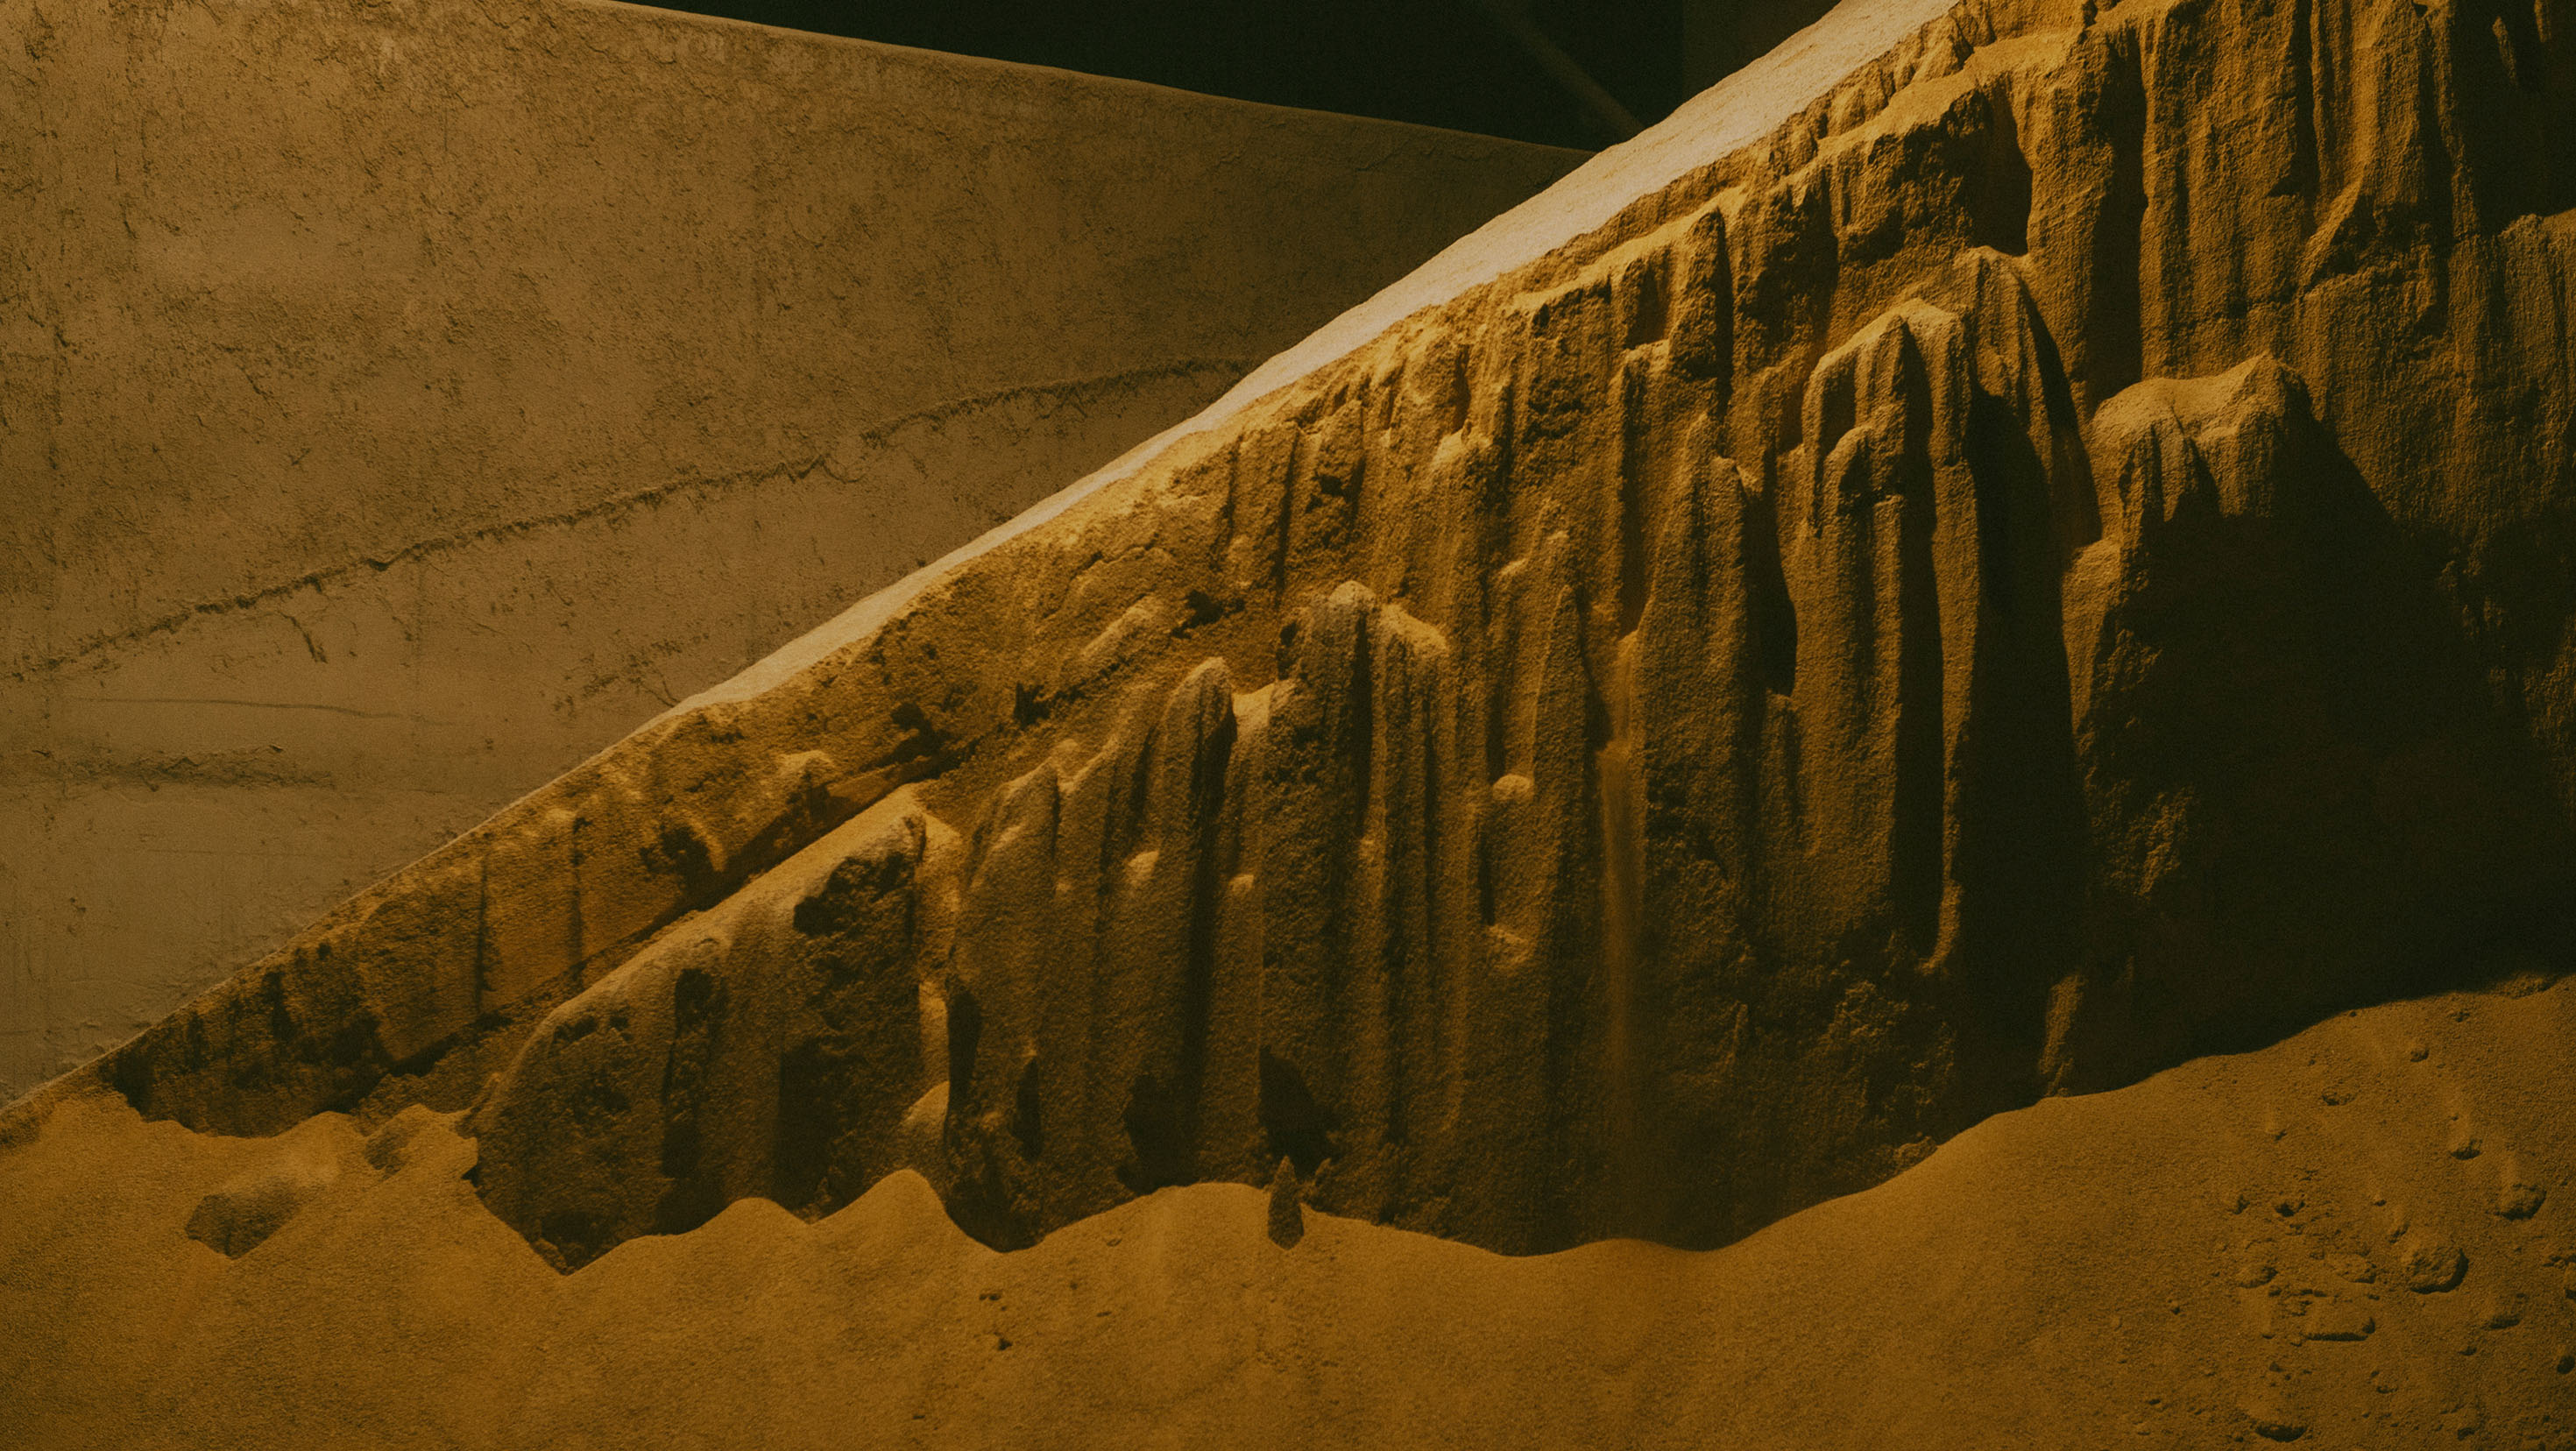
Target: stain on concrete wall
point(399, 401)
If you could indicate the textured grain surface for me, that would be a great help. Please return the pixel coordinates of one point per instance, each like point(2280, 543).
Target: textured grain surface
point(2040, 562)
point(2289, 1242)
point(1660, 740)
point(401, 401)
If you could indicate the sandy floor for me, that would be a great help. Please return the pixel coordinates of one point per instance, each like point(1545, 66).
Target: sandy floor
point(2354, 1238)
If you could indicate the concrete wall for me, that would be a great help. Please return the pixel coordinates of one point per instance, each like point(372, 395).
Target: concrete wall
point(400, 400)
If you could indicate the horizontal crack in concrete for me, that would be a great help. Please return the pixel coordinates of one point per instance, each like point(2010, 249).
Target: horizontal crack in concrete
point(246, 704)
point(792, 468)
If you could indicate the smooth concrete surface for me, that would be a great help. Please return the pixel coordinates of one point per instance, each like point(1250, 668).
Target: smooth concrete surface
point(399, 401)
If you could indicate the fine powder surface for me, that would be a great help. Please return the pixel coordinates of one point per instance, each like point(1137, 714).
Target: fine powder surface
point(2354, 1237)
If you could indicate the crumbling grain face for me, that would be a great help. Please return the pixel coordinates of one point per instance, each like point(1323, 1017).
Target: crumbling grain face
point(399, 402)
point(1657, 742)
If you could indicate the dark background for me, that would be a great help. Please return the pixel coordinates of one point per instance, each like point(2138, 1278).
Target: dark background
point(1446, 63)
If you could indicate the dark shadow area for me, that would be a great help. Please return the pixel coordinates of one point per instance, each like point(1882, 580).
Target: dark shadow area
point(1468, 65)
point(2304, 796)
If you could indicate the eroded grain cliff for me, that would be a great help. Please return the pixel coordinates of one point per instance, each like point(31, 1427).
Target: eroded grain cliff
point(2060, 557)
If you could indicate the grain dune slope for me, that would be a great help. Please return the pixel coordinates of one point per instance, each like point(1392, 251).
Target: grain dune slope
point(2357, 1237)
